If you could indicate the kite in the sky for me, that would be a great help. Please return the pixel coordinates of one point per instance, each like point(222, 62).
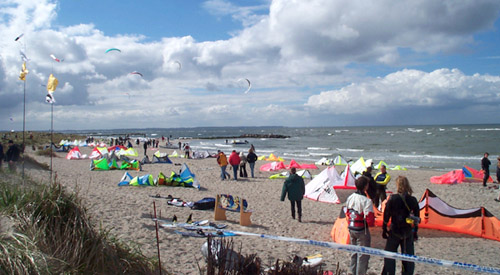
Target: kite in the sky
point(19, 37)
point(136, 72)
point(113, 49)
point(178, 63)
point(246, 81)
point(56, 59)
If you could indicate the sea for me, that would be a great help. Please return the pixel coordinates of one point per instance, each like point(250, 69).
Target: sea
point(437, 147)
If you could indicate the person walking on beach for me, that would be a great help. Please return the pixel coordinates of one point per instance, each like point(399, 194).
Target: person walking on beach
point(222, 161)
point(12, 155)
point(360, 216)
point(485, 166)
point(251, 159)
point(295, 188)
point(187, 151)
point(234, 160)
point(403, 212)
point(382, 178)
point(145, 146)
point(243, 165)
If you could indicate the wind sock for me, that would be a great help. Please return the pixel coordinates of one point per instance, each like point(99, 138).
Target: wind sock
point(51, 87)
point(24, 72)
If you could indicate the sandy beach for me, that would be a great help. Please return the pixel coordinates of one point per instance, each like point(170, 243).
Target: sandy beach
point(126, 211)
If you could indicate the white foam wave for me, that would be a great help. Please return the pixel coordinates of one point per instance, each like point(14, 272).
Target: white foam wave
point(317, 148)
point(439, 157)
point(488, 129)
point(349, 150)
point(413, 130)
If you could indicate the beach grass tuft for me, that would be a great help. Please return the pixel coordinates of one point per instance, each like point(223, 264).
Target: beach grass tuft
point(46, 230)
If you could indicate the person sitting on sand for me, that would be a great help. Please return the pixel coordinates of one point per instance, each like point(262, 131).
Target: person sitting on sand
point(359, 217)
point(403, 212)
point(295, 187)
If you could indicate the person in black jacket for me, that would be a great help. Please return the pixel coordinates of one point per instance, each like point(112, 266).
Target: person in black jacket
point(403, 211)
point(251, 159)
point(12, 155)
point(485, 166)
point(372, 185)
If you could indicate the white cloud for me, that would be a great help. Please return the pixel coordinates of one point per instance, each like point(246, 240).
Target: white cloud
point(410, 88)
point(289, 54)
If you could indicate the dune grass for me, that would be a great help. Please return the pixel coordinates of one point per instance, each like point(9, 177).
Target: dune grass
point(45, 230)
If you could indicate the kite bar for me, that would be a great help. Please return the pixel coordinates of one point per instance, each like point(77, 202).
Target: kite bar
point(376, 252)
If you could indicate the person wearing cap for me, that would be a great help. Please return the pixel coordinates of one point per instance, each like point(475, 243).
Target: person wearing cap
point(12, 155)
point(485, 166)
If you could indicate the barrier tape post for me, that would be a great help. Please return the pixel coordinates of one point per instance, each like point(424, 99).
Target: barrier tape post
point(376, 252)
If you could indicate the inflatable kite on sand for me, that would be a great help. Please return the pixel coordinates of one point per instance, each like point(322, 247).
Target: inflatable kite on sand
point(466, 174)
point(436, 214)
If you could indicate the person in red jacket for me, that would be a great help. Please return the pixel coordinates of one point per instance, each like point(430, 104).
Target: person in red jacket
point(234, 160)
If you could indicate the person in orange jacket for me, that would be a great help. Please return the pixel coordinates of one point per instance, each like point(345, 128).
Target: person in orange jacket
point(222, 161)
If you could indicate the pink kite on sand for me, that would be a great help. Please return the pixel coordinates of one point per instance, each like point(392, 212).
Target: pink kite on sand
point(466, 174)
point(274, 166)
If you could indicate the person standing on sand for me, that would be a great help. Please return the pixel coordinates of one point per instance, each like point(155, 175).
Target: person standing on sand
point(485, 166)
point(498, 169)
point(145, 146)
point(251, 158)
point(403, 212)
point(382, 178)
point(360, 216)
point(372, 185)
point(295, 187)
point(243, 165)
point(222, 161)
point(234, 160)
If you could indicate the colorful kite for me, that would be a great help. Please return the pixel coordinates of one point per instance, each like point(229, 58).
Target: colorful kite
point(137, 73)
point(56, 59)
point(113, 49)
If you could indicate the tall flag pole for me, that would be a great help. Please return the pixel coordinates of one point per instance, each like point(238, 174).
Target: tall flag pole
point(22, 76)
point(51, 87)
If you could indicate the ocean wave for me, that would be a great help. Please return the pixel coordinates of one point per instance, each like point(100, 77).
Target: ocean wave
point(223, 145)
point(350, 150)
point(413, 130)
point(488, 129)
point(317, 148)
point(439, 157)
point(295, 155)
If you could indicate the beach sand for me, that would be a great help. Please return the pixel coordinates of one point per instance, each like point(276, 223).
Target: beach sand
point(127, 212)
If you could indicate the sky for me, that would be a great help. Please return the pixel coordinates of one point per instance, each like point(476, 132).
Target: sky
point(310, 63)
